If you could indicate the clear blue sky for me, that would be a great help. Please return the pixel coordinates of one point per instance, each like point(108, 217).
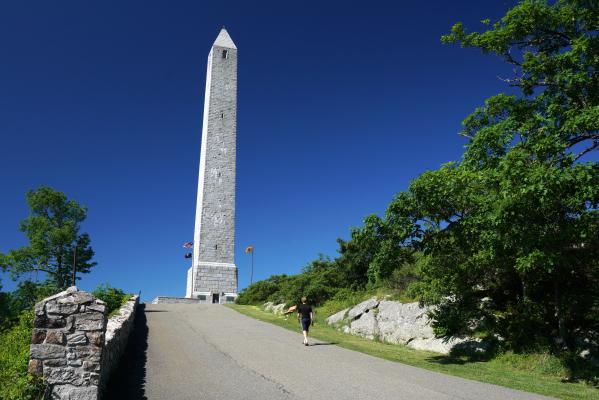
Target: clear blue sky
point(341, 104)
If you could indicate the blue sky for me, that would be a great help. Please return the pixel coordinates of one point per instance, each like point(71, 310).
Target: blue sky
point(340, 105)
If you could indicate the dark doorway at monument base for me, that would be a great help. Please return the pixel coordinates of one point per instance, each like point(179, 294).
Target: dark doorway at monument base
point(215, 298)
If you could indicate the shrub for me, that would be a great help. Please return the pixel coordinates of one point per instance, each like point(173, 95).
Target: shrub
point(260, 291)
point(15, 382)
point(113, 297)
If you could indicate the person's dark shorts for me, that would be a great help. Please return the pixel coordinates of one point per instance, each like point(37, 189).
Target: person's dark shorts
point(306, 324)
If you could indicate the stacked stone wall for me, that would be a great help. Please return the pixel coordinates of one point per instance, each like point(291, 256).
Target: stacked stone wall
point(67, 343)
point(177, 300)
point(118, 329)
point(71, 347)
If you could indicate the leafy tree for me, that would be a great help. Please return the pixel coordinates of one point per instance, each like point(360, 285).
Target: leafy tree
point(53, 231)
point(357, 254)
point(260, 291)
point(516, 237)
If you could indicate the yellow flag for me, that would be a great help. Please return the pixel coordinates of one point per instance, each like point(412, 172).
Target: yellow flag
point(249, 249)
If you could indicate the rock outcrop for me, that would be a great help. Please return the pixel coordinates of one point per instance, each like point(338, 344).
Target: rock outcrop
point(398, 323)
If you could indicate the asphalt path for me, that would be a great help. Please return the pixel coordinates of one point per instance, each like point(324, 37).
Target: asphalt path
point(213, 352)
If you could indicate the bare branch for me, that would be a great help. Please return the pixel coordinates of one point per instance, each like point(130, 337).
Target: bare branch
point(588, 149)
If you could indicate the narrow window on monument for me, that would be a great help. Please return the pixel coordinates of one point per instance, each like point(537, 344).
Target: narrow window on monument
point(222, 115)
point(225, 53)
point(215, 247)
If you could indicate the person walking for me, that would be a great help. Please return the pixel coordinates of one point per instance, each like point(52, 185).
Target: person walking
point(305, 315)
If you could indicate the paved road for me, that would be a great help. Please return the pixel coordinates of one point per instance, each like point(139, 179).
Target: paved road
point(212, 352)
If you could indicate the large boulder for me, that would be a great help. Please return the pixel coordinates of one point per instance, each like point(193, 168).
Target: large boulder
point(365, 326)
point(361, 308)
point(268, 306)
point(337, 317)
point(399, 323)
point(446, 345)
point(278, 309)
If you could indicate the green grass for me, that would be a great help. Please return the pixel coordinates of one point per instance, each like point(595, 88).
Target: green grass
point(538, 373)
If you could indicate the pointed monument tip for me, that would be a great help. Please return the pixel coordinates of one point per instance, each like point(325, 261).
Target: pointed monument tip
point(224, 40)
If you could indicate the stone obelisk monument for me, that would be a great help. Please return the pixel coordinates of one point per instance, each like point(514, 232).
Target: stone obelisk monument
point(213, 274)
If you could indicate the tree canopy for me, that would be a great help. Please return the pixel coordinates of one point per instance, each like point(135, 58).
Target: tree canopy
point(52, 228)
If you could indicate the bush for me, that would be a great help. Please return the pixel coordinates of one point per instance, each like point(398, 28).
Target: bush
point(113, 297)
point(260, 291)
point(15, 382)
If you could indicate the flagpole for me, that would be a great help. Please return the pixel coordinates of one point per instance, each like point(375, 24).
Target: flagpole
point(74, 265)
point(252, 271)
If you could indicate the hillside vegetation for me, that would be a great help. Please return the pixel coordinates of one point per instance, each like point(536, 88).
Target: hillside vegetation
point(505, 241)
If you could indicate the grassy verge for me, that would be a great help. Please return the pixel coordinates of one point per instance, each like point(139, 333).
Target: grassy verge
point(532, 373)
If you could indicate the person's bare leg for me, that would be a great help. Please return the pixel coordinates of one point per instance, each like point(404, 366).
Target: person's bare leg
point(305, 336)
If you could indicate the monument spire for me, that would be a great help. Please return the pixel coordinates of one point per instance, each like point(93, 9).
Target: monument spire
point(213, 274)
point(224, 40)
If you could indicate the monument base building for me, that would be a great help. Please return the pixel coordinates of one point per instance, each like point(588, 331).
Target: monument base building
point(212, 283)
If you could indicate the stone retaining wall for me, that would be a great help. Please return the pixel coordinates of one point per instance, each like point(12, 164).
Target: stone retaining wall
point(177, 300)
point(69, 345)
point(118, 329)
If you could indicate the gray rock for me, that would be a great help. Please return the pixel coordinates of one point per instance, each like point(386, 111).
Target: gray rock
point(77, 339)
point(96, 306)
point(337, 318)
point(361, 308)
point(89, 353)
point(279, 309)
point(400, 323)
point(69, 392)
point(46, 351)
point(365, 326)
point(90, 322)
point(448, 344)
point(268, 306)
point(83, 297)
point(40, 308)
point(62, 306)
point(63, 375)
point(55, 362)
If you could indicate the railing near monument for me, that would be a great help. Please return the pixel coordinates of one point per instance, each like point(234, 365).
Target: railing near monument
point(74, 347)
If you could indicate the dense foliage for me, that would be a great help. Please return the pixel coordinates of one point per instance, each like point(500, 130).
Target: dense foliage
point(113, 297)
point(15, 382)
point(54, 240)
point(504, 241)
point(16, 319)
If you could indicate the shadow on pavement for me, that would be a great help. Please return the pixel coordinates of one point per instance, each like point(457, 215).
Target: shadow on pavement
point(128, 381)
point(324, 344)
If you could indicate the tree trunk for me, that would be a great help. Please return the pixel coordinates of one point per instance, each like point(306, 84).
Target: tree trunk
point(559, 312)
